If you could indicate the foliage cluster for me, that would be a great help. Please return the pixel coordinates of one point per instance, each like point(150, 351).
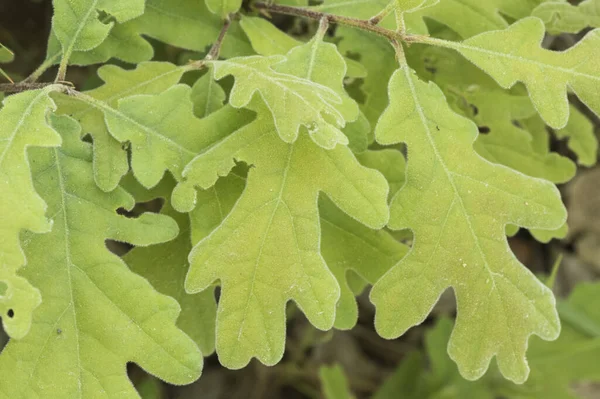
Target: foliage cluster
point(387, 143)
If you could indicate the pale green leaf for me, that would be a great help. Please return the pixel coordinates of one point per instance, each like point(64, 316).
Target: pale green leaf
point(110, 159)
point(207, 95)
point(581, 138)
point(303, 89)
point(510, 145)
point(96, 315)
point(515, 54)
point(77, 25)
point(267, 251)
point(267, 40)
point(574, 356)
point(5, 54)
point(562, 17)
point(223, 7)
point(123, 42)
point(379, 59)
point(334, 382)
point(190, 25)
point(166, 265)
point(164, 133)
point(457, 205)
point(23, 125)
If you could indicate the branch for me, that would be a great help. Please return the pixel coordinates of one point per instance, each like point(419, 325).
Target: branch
point(213, 54)
point(338, 19)
point(12, 88)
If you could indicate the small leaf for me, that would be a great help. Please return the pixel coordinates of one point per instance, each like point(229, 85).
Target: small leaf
point(305, 88)
point(164, 133)
point(23, 125)
point(515, 54)
point(581, 138)
point(110, 159)
point(77, 24)
point(562, 17)
point(207, 95)
point(223, 7)
point(190, 25)
point(96, 315)
point(267, 250)
point(457, 205)
point(334, 382)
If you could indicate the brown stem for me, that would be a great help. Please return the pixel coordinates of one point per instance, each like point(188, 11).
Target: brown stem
point(338, 19)
point(11, 88)
point(213, 54)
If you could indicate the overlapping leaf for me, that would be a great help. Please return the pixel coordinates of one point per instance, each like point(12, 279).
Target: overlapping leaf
point(563, 17)
point(267, 251)
point(189, 24)
point(77, 25)
point(223, 7)
point(110, 159)
point(23, 125)
point(457, 205)
point(166, 265)
point(515, 54)
point(96, 315)
point(303, 89)
point(164, 133)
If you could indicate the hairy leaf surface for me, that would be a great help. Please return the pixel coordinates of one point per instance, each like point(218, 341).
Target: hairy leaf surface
point(267, 251)
point(303, 89)
point(223, 7)
point(515, 54)
point(96, 315)
point(563, 17)
point(23, 125)
point(110, 159)
point(457, 205)
point(77, 25)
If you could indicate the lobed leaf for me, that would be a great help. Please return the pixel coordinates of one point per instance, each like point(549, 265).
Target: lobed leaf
point(110, 158)
point(267, 250)
point(23, 125)
point(96, 315)
point(223, 7)
point(305, 88)
point(563, 17)
point(457, 205)
point(77, 25)
point(515, 54)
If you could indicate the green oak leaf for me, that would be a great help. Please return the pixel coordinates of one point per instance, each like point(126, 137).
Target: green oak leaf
point(190, 25)
point(223, 7)
point(5, 56)
point(110, 159)
point(166, 265)
point(353, 252)
point(123, 42)
point(379, 59)
point(207, 96)
point(555, 366)
point(96, 315)
point(515, 54)
point(581, 138)
point(77, 26)
point(164, 133)
point(457, 204)
point(563, 17)
point(267, 250)
point(334, 383)
point(477, 96)
point(303, 89)
point(510, 145)
point(267, 39)
point(23, 125)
